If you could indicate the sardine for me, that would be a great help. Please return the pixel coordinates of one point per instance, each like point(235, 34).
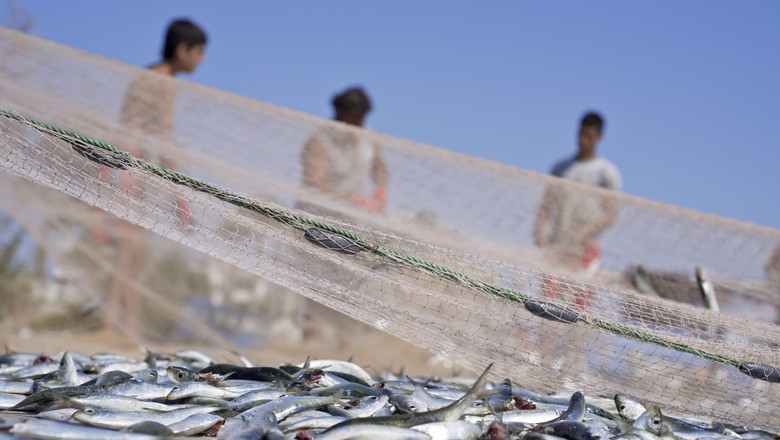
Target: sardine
point(10, 400)
point(453, 430)
point(123, 419)
point(48, 429)
point(451, 412)
point(375, 432)
point(195, 424)
point(344, 367)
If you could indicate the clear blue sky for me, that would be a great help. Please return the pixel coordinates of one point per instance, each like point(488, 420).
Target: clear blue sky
point(690, 89)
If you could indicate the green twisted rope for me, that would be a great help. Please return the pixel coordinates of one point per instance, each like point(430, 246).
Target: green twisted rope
point(302, 223)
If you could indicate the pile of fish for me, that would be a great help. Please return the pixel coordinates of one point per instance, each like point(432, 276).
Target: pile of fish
point(188, 393)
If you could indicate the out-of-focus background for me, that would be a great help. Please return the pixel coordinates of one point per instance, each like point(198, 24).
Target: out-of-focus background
point(472, 104)
point(689, 89)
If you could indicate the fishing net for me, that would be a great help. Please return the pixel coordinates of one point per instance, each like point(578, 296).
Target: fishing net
point(128, 205)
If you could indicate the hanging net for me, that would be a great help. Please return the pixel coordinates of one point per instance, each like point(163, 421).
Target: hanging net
point(189, 209)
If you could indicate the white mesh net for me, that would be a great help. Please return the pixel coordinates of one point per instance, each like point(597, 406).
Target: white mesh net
point(449, 265)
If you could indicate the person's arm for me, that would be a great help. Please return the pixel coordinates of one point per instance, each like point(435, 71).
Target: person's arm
point(380, 176)
point(548, 205)
point(542, 216)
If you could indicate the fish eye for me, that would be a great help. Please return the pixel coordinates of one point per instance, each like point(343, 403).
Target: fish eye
point(622, 407)
point(89, 411)
point(656, 421)
point(180, 375)
point(412, 407)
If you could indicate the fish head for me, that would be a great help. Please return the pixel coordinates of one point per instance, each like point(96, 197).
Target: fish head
point(628, 408)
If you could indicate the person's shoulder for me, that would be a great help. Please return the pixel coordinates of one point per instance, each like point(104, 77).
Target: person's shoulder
point(560, 167)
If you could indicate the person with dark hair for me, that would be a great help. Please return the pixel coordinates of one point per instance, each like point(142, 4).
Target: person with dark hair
point(341, 163)
point(571, 219)
point(344, 164)
point(575, 219)
point(148, 113)
point(184, 44)
point(150, 98)
point(568, 224)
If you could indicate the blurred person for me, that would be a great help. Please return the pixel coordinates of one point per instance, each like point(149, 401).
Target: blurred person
point(772, 268)
point(572, 218)
point(348, 167)
point(148, 108)
point(772, 271)
point(341, 163)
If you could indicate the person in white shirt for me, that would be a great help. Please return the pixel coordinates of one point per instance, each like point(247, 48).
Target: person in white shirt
point(571, 219)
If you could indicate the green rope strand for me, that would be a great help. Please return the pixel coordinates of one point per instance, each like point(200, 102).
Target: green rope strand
point(302, 223)
point(632, 332)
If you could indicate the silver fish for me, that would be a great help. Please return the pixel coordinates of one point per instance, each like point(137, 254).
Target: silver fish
point(376, 432)
point(195, 424)
point(196, 357)
point(631, 410)
point(179, 374)
point(148, 375)
point(317, 423)
point(123, 419)
point(61, 414)
point(628, 408)
point(539, 415)
point(67, 372)
point(448, 413)
point(367, 406)
point(342, 367)
point(35, 371)
point(650, 420)
point(454, 430)
point(48, 429)
point(575, 411)
point(141, 390)
point(255, 396)
point(9, 400)
point(410, 403)
point(200, 389)
point(115, 402)
point(151, 428)
point(288, 405)
point(280, 409)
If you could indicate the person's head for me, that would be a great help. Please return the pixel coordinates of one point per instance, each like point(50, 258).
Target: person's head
point(184, 45)
point(352, 106)
point(591, 131)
